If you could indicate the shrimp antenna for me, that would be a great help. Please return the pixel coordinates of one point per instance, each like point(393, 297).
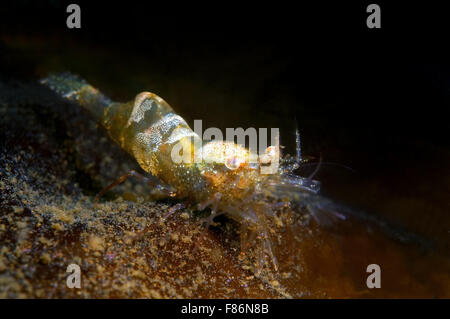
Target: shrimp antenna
point(330, 163)
point(317, 167)
point(298, 147)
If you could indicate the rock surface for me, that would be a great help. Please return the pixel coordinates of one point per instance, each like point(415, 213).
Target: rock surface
point(54, 160)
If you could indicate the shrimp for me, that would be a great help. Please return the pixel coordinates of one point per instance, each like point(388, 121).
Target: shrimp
point(223, 180)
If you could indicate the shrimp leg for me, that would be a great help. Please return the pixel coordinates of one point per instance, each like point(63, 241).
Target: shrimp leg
point(174, 209)
point(150, 181)
point(213, 204)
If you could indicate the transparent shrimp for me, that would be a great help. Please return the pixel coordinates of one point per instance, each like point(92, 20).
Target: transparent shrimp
point(223, 180)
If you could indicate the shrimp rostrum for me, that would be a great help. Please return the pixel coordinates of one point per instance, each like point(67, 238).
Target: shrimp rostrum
point(220, 175)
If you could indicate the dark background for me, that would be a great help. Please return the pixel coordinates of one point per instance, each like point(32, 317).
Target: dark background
point(371, 99)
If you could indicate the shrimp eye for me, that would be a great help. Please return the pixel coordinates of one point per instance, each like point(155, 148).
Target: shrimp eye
point(272, 151)
point(233, 162)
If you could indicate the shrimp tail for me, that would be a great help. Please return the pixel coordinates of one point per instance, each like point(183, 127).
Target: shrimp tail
point(73, 88)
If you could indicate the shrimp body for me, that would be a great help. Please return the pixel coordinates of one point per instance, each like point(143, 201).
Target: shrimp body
point(224, 179)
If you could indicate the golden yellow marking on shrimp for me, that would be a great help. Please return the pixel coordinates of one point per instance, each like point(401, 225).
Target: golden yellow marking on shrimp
point(224, 179)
